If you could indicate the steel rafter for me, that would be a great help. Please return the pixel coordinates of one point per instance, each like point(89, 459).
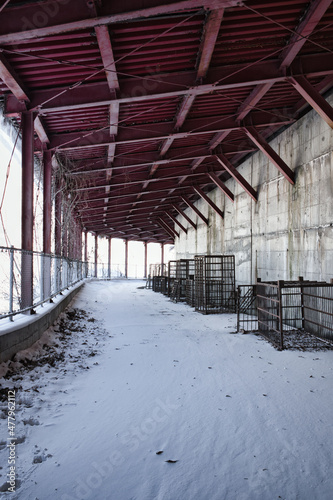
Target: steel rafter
point(203, 195)
point(141, 103)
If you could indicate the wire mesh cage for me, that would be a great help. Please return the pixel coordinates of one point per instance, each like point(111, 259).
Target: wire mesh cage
point(190, 292)
point(178, 273)
point(289, 308)
point(247, 316)
point(215, 288)
point(159, 270)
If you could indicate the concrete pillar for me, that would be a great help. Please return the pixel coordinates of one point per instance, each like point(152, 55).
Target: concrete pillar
point(126, 258)
point(47, 223)
point(146, 259)
point(109, 257)
point(96, 254)
point(27, 123)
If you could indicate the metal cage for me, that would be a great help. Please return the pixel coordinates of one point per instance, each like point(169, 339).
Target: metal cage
point(179, 272)
point(286, 308)
point(215, 289)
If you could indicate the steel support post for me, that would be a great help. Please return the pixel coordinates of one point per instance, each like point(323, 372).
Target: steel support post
point(146, 259)
point(126, 258)
point(47, 212)
point(96, 254)
point(57, 217)
point(162, 257)
point(27, 209)
point(109, 257)
point(57, 233)
point(86, 252)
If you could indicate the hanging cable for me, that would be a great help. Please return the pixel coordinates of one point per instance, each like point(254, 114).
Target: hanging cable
point(306, 38)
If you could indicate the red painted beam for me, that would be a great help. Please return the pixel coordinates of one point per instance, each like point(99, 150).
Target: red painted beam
point(172, 232)
point(258, 93)
point(218, 138)
point(236, 175)
point(167, 143)
point(11, 79)
point(310, 20)
point(186, 217)
point(203, 195)
point(217, 181)
point(210, 34)
point(312, 96)
point(171, 85)
point(105, 47)
point(40, 131)
point(184, 110)
point(176, 221)
point(54, 18)
point(160, 131)
point(270, 154)
point(195, 209)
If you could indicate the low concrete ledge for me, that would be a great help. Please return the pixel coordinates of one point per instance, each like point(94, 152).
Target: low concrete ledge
point(26, 330)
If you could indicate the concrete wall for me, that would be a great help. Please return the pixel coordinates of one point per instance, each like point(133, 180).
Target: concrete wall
point(26, 330)
point(289, 231)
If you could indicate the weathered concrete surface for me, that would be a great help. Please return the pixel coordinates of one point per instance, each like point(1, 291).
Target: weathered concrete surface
point(26, 330)
point(289, 231)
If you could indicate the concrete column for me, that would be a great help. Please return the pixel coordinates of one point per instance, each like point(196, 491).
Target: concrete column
point(47, 213)
point(96, 254)
point(109, 257)
point(126, 258)
point(27, 123)
point(146, 259)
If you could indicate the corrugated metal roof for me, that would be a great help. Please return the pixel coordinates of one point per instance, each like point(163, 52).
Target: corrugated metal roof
point(141, 101)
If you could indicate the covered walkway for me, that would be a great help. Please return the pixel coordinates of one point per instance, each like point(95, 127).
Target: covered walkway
point(126, 374)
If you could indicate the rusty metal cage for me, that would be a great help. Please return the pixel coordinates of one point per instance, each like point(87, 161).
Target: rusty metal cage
point(159, 284)
point(285, 308)
point(179, 272)
point(215, 289)
point(190, 292)
point(155, 270)
point(247, 316)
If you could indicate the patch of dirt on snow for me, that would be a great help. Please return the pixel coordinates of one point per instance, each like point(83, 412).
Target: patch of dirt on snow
point(35, 374)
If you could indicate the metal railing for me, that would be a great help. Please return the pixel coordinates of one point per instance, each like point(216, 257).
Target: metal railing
point(29, 279)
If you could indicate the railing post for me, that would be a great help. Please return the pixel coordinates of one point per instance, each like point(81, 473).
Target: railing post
point(42, 277)
point(11, 280)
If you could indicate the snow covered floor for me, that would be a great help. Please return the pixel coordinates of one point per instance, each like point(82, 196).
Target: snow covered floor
point(129, 375)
